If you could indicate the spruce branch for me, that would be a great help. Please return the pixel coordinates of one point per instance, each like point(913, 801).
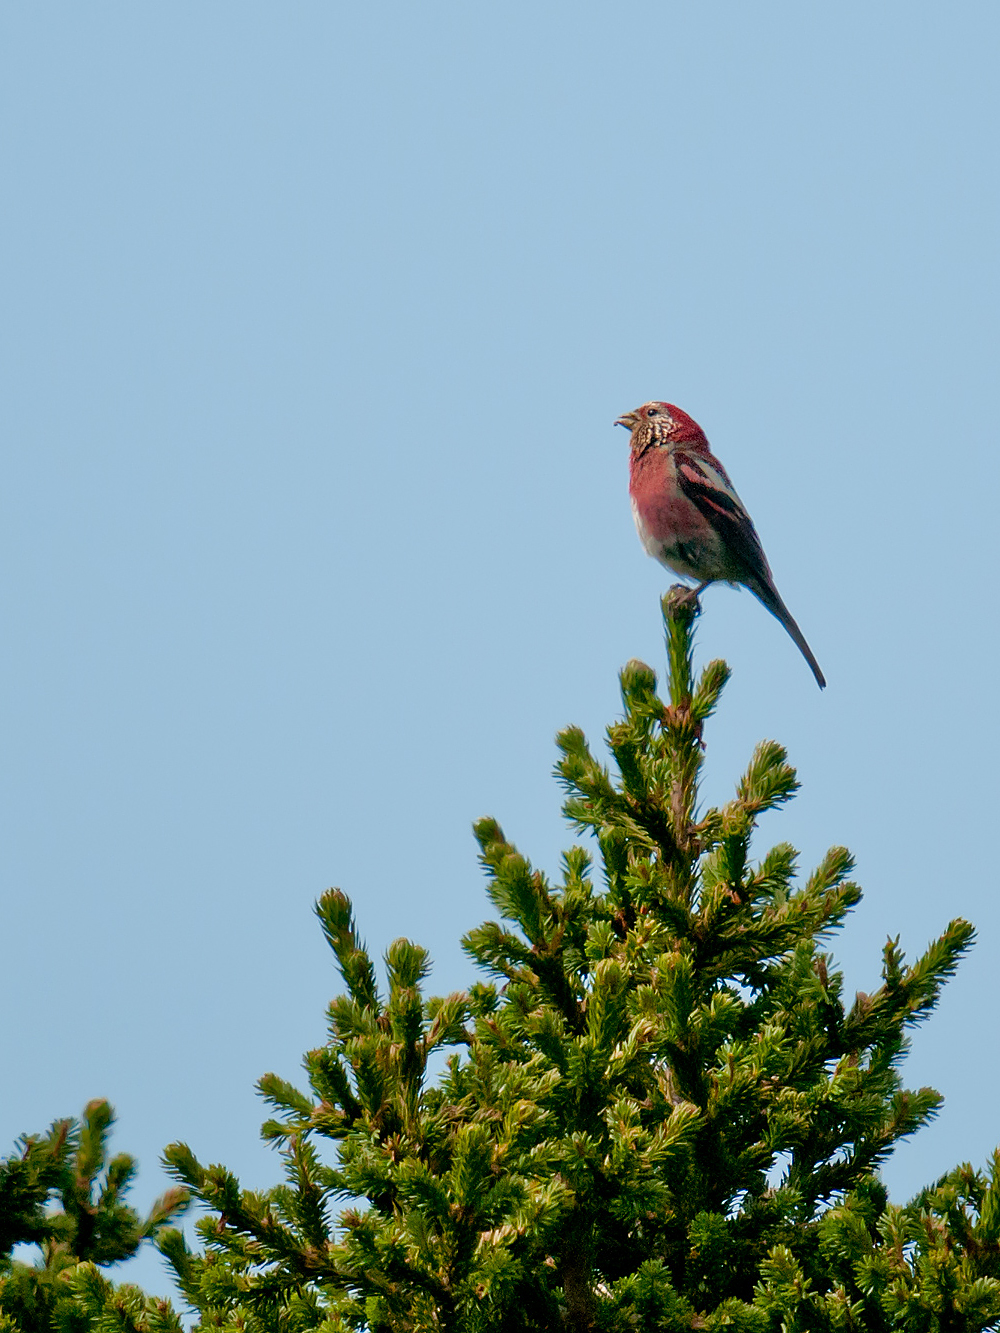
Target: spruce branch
point(337, 919)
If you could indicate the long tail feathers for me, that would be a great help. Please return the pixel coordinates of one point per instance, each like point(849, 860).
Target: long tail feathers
point(768, 595)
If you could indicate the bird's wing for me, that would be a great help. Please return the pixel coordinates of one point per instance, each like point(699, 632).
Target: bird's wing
point(705, 483)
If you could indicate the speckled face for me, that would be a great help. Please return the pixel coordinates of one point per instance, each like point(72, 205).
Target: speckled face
point(652, 418)
point(650, 426)
point(662, 425)
point(658, 415)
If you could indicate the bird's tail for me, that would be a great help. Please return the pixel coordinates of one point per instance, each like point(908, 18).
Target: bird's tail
point(768, 594)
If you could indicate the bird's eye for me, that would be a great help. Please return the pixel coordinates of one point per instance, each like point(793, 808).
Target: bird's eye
point(651, 412)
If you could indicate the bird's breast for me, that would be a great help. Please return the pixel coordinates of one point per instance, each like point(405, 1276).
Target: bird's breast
point(671, 527)
point(663, 513)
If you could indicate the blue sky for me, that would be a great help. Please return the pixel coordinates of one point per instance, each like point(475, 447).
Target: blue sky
point(314, 522)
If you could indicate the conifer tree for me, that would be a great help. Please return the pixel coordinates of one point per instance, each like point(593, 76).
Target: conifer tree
point(62, 1193)
point(659, 1111)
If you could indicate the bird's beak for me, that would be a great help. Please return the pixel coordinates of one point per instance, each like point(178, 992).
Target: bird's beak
point(628, 420)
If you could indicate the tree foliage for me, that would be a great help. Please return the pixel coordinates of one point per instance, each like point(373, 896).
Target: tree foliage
point(657, 1111)
point(62, 1193)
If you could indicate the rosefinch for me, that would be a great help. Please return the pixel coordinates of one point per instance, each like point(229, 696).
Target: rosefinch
point(688, 515)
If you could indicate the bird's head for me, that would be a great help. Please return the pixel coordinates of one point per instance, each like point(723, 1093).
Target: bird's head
point(661, 425)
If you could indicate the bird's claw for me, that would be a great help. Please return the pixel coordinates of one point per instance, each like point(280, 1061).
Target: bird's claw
point(679, 597)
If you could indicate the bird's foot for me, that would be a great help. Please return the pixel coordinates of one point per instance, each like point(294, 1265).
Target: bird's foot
point(680, 598)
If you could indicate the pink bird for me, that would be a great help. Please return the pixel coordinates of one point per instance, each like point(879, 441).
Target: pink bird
point(689, 517)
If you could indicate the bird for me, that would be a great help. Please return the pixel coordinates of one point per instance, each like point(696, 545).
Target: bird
point(689, 516)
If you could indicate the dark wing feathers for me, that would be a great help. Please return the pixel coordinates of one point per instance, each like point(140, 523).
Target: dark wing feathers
point(711, 491)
